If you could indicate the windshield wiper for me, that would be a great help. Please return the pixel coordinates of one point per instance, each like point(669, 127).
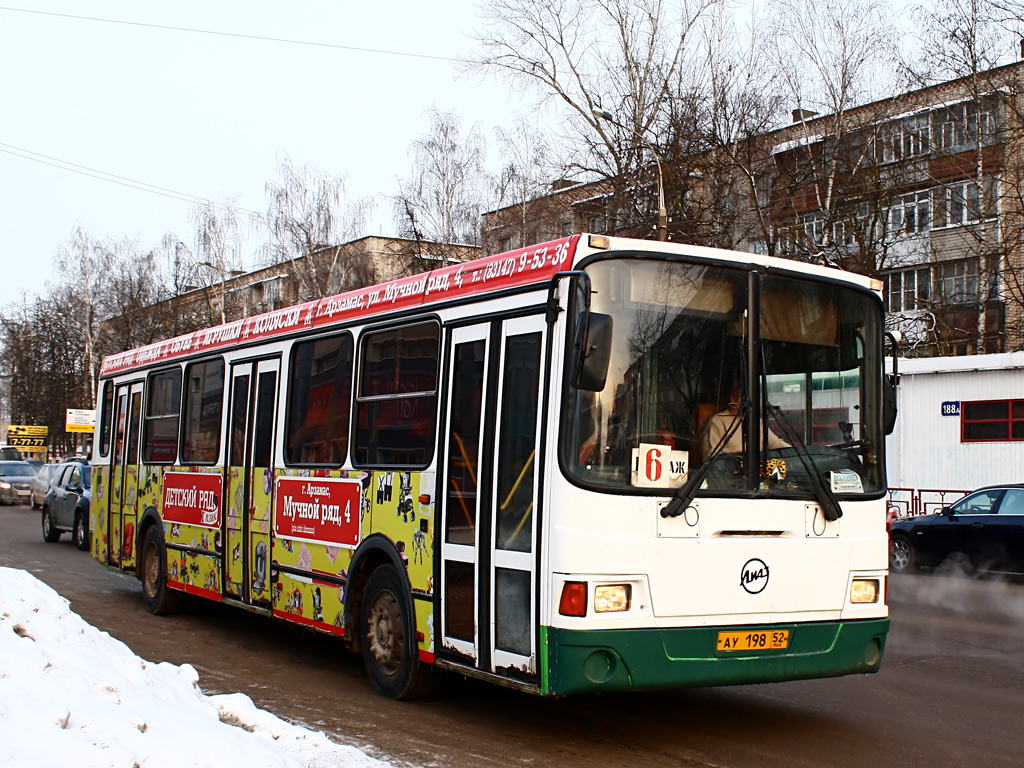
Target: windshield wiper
point(829, 504)
point(686, 491)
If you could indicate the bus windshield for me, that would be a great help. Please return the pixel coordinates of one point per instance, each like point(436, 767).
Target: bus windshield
point(686, 380)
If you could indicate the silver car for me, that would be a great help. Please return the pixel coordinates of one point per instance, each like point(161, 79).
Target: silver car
point(41, 484)
point(15, 482)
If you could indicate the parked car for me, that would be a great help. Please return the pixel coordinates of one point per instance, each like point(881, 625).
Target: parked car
point(984, 531)
point(66, 506)
point(15, 480)
point(10, 453)
point(41, 484)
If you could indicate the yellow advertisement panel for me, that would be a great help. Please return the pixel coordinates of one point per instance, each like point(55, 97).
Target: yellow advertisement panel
point(27, 438)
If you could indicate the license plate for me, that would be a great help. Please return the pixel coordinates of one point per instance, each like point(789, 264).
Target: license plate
point(759, 640)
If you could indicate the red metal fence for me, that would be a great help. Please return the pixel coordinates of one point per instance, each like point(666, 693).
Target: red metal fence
point(910, 502)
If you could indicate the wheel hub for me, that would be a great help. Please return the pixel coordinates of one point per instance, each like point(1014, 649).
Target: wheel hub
point(386, 633)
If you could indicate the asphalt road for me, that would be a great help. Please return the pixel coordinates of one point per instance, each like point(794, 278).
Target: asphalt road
point(950, 693)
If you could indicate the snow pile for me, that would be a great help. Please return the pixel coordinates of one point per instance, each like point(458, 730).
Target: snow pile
point(71, 695)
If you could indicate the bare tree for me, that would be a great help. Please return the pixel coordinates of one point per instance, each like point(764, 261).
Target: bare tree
point(218, 247)
point(442, 201)
point(526, 175)
point(310, 218)
point(84, 261)
point(831, 55)
point(719, 142)
point(132, 306)
point(614, 66)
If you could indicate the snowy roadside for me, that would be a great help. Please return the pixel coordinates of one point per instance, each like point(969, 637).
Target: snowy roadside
point(73, 695)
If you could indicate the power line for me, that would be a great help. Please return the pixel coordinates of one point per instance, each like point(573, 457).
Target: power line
point(124, 181)
point(239, 35)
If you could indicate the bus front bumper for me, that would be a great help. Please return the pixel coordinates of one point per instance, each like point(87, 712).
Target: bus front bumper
point(581, 661)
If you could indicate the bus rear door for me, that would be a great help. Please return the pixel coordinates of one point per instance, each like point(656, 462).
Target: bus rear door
point(489, 503)
point(250, 482)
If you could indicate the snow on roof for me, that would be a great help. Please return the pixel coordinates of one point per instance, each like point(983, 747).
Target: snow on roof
point(926, 365)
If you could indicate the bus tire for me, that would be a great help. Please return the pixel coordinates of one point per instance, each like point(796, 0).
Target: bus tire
point(80, 534)
point(50, 532)
point(390, 651)
point(160, 598)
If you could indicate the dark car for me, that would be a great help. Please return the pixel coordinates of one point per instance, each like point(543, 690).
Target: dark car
point(41, 484)
point(983, 531)
point(15, 481)
point(66, 506)
point(10, 453)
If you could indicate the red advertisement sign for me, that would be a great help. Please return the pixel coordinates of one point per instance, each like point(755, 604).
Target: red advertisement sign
point(192, 498)
point(501, 271)
point(324, 510)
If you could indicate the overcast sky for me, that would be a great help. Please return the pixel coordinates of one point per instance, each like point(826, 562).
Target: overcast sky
point(85, 99)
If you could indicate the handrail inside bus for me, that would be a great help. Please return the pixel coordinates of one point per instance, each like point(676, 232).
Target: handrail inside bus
point(519, 479)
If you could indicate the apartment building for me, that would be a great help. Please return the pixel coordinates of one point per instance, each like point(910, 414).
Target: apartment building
point(923, 189)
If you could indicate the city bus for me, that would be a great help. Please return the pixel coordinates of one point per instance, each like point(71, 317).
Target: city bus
point(508, 468)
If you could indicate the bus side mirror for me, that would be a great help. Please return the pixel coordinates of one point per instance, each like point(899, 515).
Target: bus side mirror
point(593, 351)
point(889, 383)
point(888, 405)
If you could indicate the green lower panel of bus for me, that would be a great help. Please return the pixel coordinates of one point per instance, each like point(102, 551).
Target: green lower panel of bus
point(648, 659)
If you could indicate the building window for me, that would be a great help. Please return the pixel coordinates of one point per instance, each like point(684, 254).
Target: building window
point(903, 139)
point(957, 204)
point(908, 289)
point(956, 282)
point(911, 214)
point(959, 125)
point(915, 135)
point(992, 421)
point(814, 227)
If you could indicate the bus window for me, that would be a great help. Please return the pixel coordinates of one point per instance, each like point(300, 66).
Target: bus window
point(163, 405)
point(396, 406)
point(203, 404)
point(319, 399)
point(106, 417)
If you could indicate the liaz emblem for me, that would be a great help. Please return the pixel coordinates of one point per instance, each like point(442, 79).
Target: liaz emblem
point(754, 575)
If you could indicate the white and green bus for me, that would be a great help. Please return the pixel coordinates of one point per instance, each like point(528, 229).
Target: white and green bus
point(595, 464)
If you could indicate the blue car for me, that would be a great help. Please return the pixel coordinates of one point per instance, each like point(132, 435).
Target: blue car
point(983, 531)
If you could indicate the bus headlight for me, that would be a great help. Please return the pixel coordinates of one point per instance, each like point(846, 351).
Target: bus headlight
point(612, 597)
point(864, 591)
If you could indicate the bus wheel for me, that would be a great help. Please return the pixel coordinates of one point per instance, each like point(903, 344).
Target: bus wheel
point(81, 531)
point(50, 532)
point(390, 651)
point(160, 598)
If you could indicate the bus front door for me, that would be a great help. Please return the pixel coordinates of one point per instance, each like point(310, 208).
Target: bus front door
point(124, 477)
point(249, 482)
point(489, 503)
